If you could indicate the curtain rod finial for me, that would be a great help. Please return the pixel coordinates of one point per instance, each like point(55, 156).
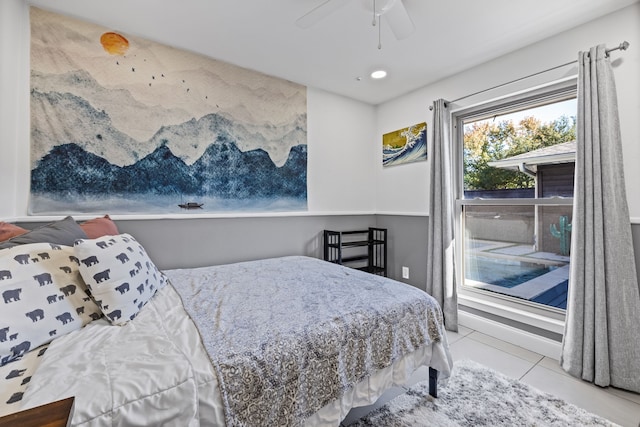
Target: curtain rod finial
point(446, 104)
point(624, 45)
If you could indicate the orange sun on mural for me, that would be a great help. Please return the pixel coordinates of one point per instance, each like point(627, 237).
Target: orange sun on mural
point(114, 43)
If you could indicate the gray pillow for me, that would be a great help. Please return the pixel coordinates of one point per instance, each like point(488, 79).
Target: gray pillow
point(64, 232)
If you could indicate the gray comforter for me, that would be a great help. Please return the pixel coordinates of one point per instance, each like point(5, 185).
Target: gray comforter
point(286, 336)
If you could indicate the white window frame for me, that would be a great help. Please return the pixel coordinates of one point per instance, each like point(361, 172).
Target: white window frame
point(542, 317)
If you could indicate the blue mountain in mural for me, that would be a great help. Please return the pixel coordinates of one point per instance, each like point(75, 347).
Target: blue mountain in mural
point(223, 171)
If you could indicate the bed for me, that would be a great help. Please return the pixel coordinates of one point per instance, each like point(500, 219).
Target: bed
point(283, 341)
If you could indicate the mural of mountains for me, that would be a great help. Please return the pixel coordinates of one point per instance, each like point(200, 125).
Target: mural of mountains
point(223, 172)
point(85, 157)
point(142, 127)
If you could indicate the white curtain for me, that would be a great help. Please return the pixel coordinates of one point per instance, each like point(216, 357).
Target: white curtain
point(441, 273)
point(602, 332)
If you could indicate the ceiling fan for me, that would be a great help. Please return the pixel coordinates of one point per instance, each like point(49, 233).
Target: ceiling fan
point(394, 11)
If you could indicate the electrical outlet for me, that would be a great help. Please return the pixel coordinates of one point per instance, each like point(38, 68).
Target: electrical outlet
point(405, 272)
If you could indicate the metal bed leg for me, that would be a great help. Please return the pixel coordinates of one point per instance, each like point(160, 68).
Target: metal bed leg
point(433, 382)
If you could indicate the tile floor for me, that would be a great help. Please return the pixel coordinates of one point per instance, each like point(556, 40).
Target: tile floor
point(539, 371)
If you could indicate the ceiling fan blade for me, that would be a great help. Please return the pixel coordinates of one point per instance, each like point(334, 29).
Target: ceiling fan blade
point(319, 12)
point(399, 20)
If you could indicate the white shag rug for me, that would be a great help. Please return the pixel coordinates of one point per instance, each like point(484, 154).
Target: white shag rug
point(478, 396)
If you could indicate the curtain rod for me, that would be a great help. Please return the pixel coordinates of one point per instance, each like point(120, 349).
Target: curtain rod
point(622, 46)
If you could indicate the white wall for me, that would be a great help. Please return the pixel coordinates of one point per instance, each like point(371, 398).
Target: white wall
point(340, 130)
point(14, 52)
point(405, 188)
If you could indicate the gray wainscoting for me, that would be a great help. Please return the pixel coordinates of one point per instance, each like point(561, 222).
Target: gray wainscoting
point(407, 247)
point(197, 242)
point(635, 230)
point(200, 242)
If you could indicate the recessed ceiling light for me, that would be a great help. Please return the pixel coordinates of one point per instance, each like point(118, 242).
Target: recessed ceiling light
point(379, 74)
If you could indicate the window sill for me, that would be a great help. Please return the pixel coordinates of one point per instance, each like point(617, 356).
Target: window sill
point(538, 330)
point(536, 316)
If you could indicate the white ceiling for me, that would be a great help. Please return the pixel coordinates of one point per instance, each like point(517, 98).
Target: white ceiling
point(450, 35)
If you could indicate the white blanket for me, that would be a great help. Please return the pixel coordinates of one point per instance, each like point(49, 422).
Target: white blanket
point(152, 371)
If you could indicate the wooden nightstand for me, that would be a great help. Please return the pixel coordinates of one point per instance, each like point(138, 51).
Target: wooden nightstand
point(54, 414)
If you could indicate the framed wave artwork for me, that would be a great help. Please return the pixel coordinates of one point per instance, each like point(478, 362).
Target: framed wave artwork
point(405, 145)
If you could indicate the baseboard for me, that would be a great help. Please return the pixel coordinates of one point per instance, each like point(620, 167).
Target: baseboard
point(515, 336)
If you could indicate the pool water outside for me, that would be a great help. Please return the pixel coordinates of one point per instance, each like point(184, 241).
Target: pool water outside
point(517, 270)
point(506, 273)
point(554, 297)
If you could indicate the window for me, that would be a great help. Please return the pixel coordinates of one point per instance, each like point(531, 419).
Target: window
point(516, 160)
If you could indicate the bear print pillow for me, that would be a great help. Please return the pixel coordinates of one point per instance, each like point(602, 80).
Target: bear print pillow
point(42, 296)
point(120, 275)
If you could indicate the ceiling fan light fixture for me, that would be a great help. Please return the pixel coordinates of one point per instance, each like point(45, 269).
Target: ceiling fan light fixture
point(379, 74)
